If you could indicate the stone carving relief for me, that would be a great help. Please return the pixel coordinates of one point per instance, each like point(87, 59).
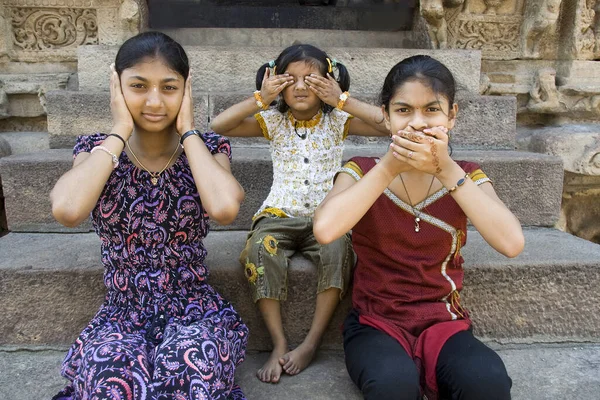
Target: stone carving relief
point(501, 29)
point(539, 25)
point(544, 96)
point(584, 37)
point(433, 13)
point(36, 29)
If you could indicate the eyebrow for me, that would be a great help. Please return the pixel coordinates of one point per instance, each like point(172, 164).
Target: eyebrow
point(400, 103)
point(141, 78)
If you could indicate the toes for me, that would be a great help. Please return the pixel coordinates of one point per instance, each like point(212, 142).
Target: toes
point(284, 359)
point(274, 378)
point(288, 365)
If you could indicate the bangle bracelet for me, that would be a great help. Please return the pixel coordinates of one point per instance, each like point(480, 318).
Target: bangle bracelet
point(118, 137)
point(459, 183)
point(115, 159)
point(259, 100)
point(188, 134)
point(342, 101)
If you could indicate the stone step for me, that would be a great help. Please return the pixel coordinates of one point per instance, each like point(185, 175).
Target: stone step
point(280, 14)
point(539, 372)
point(282, 38)
point(26, 142)
point(529, 183)
point(234, 69)
point(51, 286)
point(485, 122)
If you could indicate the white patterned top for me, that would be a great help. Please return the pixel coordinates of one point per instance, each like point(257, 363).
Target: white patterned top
point(306, 156)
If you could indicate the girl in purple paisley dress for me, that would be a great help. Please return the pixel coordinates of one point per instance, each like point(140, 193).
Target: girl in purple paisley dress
point(151, 185)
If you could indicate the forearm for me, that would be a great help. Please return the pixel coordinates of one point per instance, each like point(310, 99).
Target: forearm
point(369, 114)
point(496, 223)
point(234, 116)
point(341, 210)
point(76, 192)
point(220, 192)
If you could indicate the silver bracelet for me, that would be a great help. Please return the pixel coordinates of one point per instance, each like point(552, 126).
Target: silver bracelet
point(115, 159)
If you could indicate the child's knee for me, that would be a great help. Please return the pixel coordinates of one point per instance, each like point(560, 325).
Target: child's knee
point(336, 264)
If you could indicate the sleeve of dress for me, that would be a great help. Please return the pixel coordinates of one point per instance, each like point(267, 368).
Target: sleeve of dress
point(216, 143)
point(85, 143)
point(475, 172)
point(270, 122)
point(351, 168)
point(341, 119)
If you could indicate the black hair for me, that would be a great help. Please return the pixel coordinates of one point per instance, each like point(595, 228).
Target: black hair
point(152, 45)
point(424, 69)
point(309, 54)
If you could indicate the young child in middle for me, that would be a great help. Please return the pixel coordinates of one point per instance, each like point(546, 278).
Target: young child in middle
point(306, 130)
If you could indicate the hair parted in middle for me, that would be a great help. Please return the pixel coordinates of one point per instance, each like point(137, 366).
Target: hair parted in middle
point(311, 55)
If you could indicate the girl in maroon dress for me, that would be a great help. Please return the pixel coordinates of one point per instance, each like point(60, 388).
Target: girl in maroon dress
point(150, 185)
point(408, 334)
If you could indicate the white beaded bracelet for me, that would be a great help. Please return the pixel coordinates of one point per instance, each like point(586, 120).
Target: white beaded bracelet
point(115, 159)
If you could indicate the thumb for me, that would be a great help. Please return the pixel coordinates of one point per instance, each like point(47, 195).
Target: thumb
point(267, 74)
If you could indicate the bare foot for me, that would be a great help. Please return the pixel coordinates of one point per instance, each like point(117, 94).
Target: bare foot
point(298, 359)
point(271, 371)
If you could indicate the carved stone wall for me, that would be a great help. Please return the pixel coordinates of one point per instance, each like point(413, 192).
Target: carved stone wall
point(51, 30)
point(38, 48)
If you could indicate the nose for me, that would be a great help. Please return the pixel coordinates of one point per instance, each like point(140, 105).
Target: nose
point(153, 99)
point(300, 84)
point(418, 122)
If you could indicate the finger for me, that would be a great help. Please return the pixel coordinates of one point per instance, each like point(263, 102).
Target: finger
point(438, 132)
point(266, 75)
point(413, 136)
point(280, 88)
point(405, 143)
point(315, 80)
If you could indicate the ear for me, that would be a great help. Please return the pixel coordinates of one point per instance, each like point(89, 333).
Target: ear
point(452, 113)
point(386, 118)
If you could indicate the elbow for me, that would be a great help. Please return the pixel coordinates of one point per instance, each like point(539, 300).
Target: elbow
point(322, 231)
point(65, 216)
point(225, 215)
point(515, 246)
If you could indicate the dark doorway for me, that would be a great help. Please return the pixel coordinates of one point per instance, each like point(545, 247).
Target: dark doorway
point(363, 15)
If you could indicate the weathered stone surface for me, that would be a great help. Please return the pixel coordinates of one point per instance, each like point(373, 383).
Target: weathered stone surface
point(484, 122)
point(26, 142)
point(530, 184)
point(234, 69)
point(580, 208)
point(577, 145)
point(512, 300)
point(27, 180)
point(72, 23)
point(282, 38)
point(32, 371)
point(79, 113)
point(4, 147)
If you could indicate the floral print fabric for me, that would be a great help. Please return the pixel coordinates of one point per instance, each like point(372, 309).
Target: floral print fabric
point(306, 155)
point(162, 331)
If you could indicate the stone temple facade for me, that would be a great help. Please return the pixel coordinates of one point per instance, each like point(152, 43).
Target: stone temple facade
point(543, 52)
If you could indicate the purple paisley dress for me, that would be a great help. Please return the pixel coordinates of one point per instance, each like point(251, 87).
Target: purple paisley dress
point(162, 332)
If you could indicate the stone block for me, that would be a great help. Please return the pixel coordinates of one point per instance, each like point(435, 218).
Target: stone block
point(82, 113)
point(484, 122)
point(530, 184)
point(510, 300)
point(577, 145)
point(282, 38)
point(234, 69)
point(25, 142)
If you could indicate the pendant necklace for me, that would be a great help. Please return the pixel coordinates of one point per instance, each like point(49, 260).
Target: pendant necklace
point(415, 211)
point(153, 175)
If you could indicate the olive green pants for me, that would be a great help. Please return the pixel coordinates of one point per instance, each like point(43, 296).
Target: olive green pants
point(272, 241)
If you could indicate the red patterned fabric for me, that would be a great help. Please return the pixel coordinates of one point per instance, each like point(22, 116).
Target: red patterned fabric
point(406, 283)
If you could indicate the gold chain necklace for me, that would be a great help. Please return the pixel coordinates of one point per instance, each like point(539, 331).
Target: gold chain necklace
point(153, 175)
point(415, 211)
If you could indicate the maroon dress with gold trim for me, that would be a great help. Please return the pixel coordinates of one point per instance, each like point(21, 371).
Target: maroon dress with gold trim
point(407, 283)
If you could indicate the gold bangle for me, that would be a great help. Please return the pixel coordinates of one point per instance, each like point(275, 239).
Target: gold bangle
point(342, 101)
point(460, 182)
point(259, 101)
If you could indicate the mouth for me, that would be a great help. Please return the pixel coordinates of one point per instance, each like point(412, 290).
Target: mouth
point(300, 98)
point(154, 117)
